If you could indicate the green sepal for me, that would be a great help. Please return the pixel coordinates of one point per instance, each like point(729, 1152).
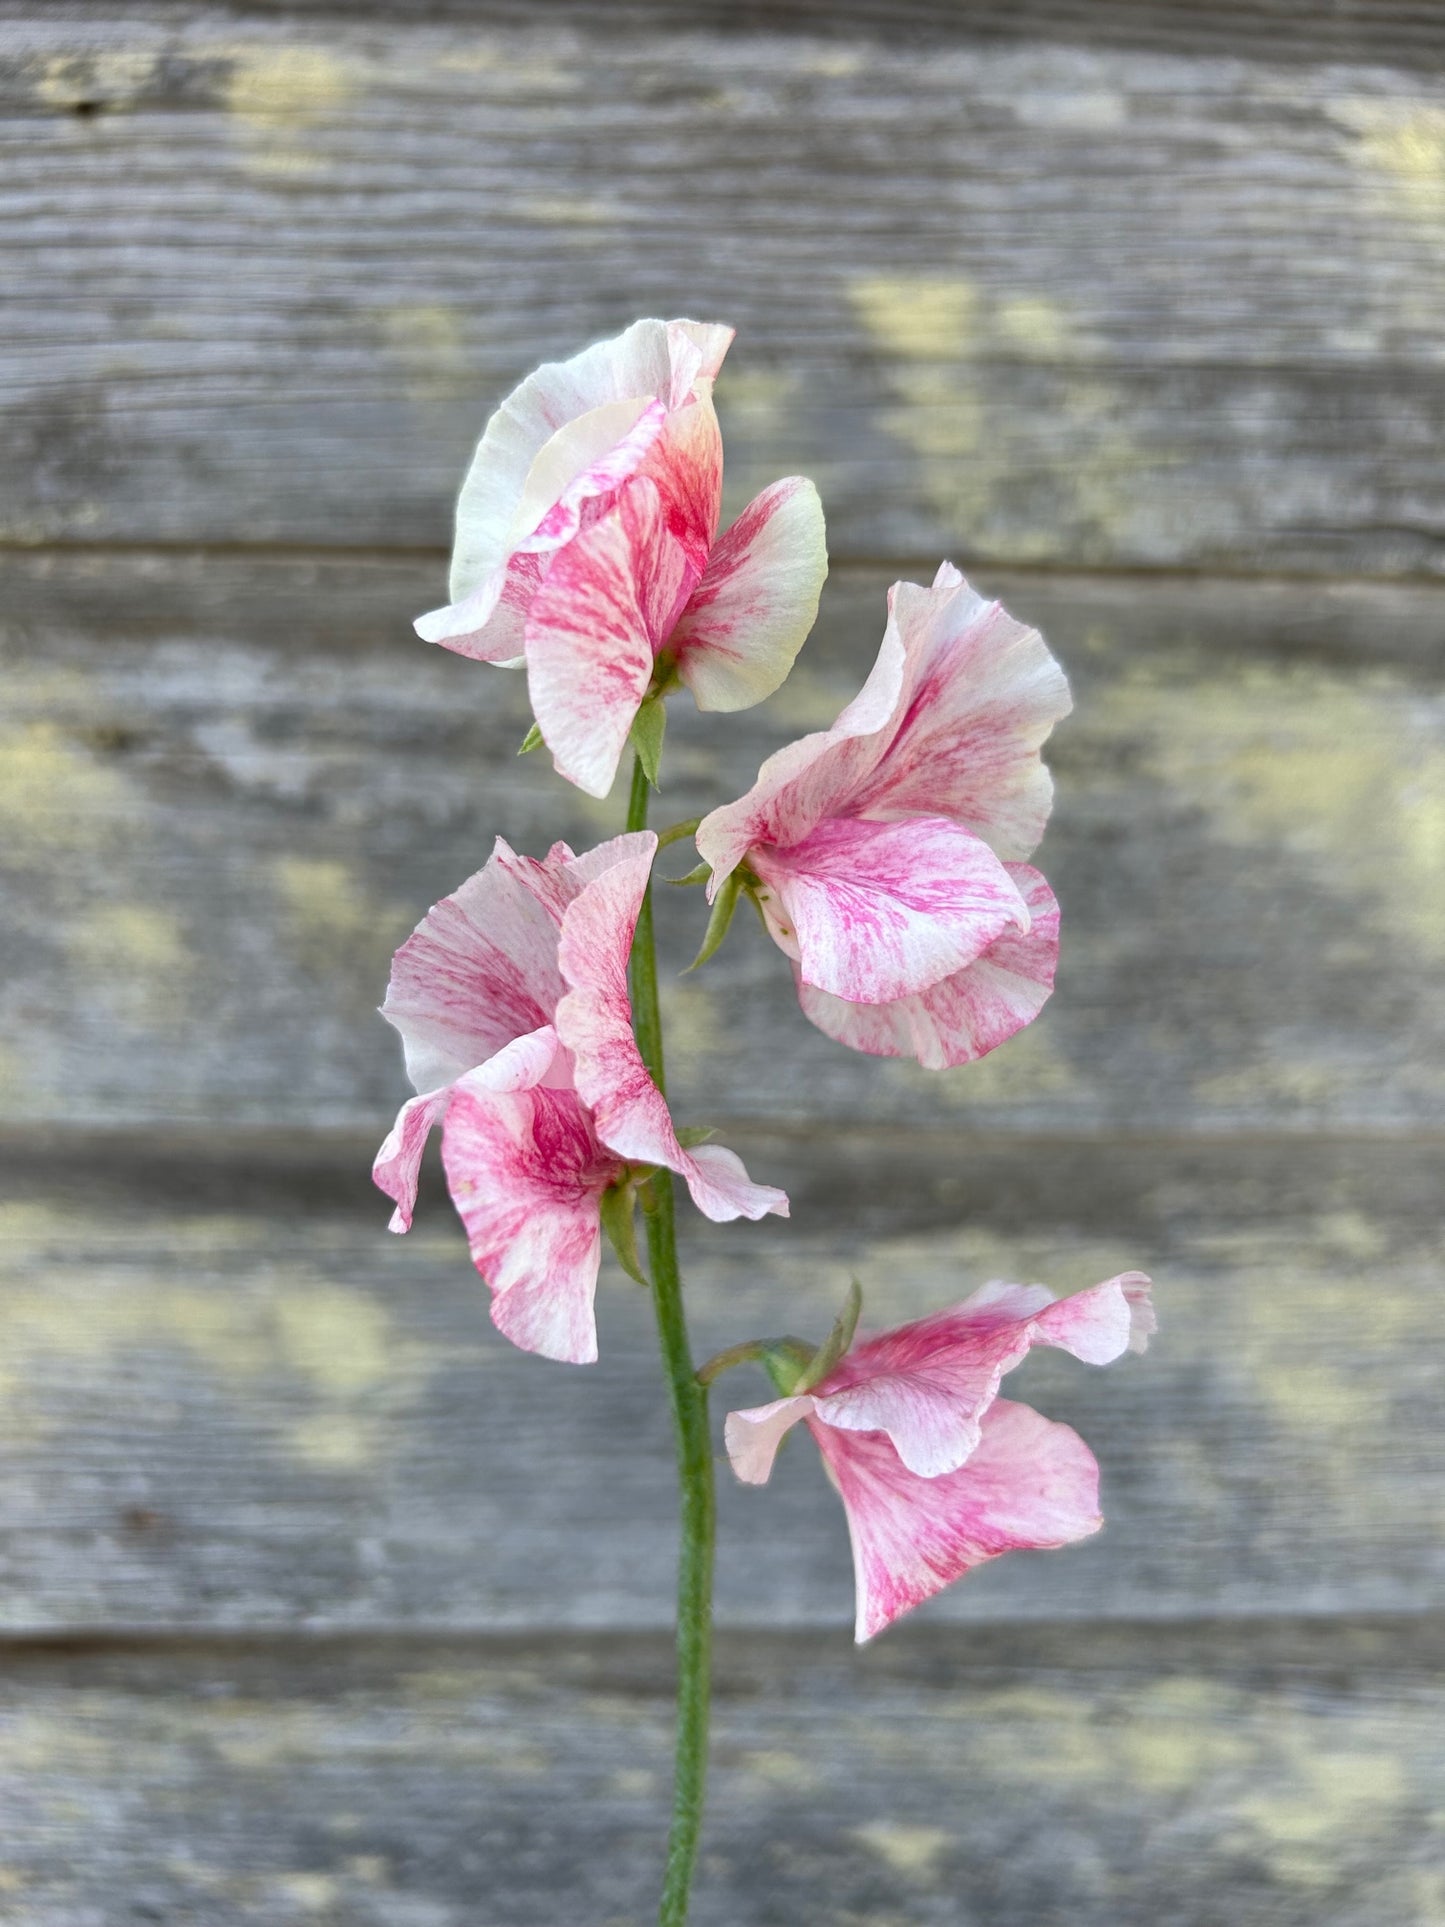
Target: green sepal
point(619, 1222)
point(648, 728)
point(692, 1134)
point(835, 1344)
point(699, 875)
point(785, 1360)
point(717, 924)
point(532, 740)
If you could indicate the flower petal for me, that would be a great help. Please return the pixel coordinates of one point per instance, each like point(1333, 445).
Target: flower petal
point(929, 1384)
point(686, 466)
point(753, 1436)
point(750, 615)
point(594, 1022)
point(1030, 1484)
point(590, 457)
point(398, 1162)
point(980, 695)
point(633, 367)
point(478, 970)
point(965, 1016)
point(806, 781)
point(593, 633)
point(878, 911)
point(527, 1174)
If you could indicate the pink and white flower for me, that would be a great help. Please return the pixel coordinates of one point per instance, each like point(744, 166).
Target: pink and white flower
point(886, 852)
point(586, 546)
point(936, 1472)
point(511, 1000)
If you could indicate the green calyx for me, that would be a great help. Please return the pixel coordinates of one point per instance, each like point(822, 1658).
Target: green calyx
point(532, 740)
point(649, 726)
point(619, 1221)
point(724, 904)
point(791, 1363)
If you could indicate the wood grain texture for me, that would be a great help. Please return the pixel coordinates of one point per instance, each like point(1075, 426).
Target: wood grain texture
point(1280, 1776)
point(234, 783)
point(230, 1400)
point(1030, 301)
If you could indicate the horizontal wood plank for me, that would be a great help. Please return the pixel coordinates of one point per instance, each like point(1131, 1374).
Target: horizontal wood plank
point(230, 1400)
point(1026, 300)
point(1285, 1776)
point(234, 783)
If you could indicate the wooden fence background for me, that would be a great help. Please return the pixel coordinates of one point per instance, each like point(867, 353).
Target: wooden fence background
point(320, 1603)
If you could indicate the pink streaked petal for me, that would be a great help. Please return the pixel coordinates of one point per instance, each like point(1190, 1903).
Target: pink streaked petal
point(463, 625)
point(751, 613)
point(520, 1066)
point(980, 695)
point(526, 1174)
point(696, 350)
point(752, 1437)
point(490, 624)
point(686, 467)
point(593, 633)
point(589, 458)
point(594, 1022)
point(398, 1162)
point(806, 781)
point(632, 367)
point(721, 1188)
point(1030, 1485)
point(874, 912)
point(929, 1384)
point(478, 970)
point(967, 1015)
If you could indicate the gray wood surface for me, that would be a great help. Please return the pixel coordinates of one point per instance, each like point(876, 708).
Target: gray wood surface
point(1285, 1774)
point(238, 782)
point(318, 1602)
point(232, 1401)
point(1021, 298)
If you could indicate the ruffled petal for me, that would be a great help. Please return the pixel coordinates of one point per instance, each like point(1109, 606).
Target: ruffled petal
point(594, 1022)
point(929, 1385)
point(874, 912)
point(398, 1162)
point(634, 368)
point(752, 1437)
point(593, 633)
point(980, 695)
point(804, 782)
point(967, 1015)
point(478, 970)
point(567, 438)
point(588, 458)
point(686, 467)
point(527, 1174)
point(1031, 1484)
point(751, 613)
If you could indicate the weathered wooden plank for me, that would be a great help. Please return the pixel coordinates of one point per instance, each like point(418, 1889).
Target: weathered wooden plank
point(1028, 300)
point(230, 1400)
point(1285, 1776)
point(233, 784)
point(1396, 33)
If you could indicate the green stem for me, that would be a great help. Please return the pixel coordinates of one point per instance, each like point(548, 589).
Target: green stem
point(694, 1446)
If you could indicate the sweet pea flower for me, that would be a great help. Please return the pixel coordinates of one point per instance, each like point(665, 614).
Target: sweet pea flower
point(886, 852)
point(936, 1472)
point(586, 546)
point(511, 1000)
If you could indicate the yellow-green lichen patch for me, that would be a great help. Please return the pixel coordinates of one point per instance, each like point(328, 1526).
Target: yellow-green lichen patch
point(282, 99)
point(55, 798)
point(912, 1851)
